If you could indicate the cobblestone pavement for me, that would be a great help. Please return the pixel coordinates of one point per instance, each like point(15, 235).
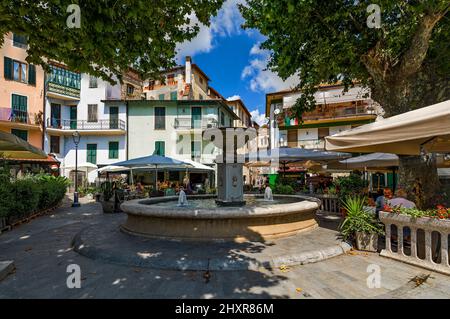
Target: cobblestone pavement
point(41, 250)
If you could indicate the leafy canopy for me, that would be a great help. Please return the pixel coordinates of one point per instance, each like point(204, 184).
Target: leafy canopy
point(113, 35)
point(330, 41)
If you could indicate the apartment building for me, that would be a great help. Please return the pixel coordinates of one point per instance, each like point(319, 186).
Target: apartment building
point(336, 111)
point(76, 102)
point(239, 108)
point(21, 92)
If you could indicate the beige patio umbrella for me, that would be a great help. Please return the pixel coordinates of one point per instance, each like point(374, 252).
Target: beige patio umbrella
point(404, 134)
point(12, 147)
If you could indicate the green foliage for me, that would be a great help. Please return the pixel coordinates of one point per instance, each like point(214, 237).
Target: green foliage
point(25, 196)
point(329, 41)
point(349, 185)
point(114, 34)
point(284, 189)
point(107, 190)
point(358, 219)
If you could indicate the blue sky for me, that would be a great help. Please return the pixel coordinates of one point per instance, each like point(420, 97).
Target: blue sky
point(232, 59)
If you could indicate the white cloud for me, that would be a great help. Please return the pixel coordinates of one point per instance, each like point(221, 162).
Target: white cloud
point(234, 98)
point(226, 23)
point(258, 117)
point(261, 79)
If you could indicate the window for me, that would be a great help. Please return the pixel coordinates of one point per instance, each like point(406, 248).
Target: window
point(92, 82)
point(92, 113)
point(130, 89)
point(160, 148)
point(113, 150)
point(19, 108)
point(195, 150)
point(20, 41)
point(200, 97)
point(160, 118)
point(91, 153)
point(17, 71)
point(20, 133)
point(171, 79)
point(161, 97)
point(201, 79)
point(173, 96)
point(222, 119)
point(54, 144)
point(231, 123)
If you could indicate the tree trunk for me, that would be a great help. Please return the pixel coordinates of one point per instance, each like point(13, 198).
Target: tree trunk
point(418, 176)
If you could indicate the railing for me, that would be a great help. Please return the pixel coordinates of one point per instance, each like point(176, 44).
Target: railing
point(11, 115)
point(63, 81)
point(330, 203)
point(188, 123)
point(339, 112)
point(85, 125)
point(428, 243)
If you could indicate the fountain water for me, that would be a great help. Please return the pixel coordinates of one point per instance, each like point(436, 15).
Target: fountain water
point(182, 199)
point(268, 193)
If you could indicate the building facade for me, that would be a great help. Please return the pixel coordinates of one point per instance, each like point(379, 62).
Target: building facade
point(336, 111)
point(21, 92)
point(75, 102)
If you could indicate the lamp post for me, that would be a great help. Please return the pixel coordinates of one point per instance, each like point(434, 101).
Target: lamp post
point(76, 141)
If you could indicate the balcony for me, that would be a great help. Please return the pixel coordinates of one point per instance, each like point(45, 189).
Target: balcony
point(188, 124)
point(330, 112)
point(101, 127)
point(19, 118)
point(63, 84)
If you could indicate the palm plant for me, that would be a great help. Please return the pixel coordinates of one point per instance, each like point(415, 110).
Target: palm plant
point(359, 218)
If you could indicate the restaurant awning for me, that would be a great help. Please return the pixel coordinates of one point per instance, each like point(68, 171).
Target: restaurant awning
point(12, 147)
point(404, 134)
point(372, 160)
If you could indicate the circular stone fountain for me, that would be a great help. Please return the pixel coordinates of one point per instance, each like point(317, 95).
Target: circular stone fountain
point(203, 220)
point(227, 216)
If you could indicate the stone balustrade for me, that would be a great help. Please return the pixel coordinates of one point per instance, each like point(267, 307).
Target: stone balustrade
point(330, 203)
point(428, 242)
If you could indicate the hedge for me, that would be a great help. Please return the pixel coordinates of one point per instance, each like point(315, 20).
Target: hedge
point(23, 197)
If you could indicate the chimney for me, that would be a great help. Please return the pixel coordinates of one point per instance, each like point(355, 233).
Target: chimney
point(188, 71)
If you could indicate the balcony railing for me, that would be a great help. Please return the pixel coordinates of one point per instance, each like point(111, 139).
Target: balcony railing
point(11, 115)
point(64, 82)
point(85, 125)
point(188, 123)
point(339, 112)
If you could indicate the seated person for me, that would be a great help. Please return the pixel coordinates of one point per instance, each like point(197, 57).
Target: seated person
point(139, 188)
point(383, 200)
point(400, 200)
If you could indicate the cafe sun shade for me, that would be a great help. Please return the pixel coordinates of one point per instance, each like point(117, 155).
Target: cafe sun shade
point(153, 161)
point(287, 154)
point(427, 128)
point(13, 147)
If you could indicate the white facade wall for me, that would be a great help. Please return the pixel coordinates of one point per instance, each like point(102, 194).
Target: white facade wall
point(97, 136)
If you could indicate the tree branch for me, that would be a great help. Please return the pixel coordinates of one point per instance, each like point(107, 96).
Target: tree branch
point(412, 59)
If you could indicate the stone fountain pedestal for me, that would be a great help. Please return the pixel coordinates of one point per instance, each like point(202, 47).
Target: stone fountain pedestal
point(230, 184)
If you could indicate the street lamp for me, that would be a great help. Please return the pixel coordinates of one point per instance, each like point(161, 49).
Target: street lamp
point(76, 141)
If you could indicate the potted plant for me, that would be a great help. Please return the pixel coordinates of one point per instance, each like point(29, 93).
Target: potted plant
point(360, 224)
point(108, 202)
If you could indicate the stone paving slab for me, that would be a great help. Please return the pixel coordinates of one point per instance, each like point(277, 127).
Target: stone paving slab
point(6, 267)
point(41, 251)
point(104, 242)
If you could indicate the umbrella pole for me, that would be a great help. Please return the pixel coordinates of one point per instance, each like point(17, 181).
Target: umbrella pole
point(394, 182)
point(156, 177)
point(131, 177)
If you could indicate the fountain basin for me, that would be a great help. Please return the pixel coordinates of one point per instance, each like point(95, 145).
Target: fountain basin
point(287, 216)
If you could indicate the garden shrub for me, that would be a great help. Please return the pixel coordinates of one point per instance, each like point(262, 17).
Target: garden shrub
point(284, 190)
point(24, 197)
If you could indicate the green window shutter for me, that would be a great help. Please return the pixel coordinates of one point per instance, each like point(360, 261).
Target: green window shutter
point(173, 96)
point(20, 133)
point(8, 68)
point(31, 74)
point(160, 148)
point(113, 150)
point(91, 153)
point(161, 97)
